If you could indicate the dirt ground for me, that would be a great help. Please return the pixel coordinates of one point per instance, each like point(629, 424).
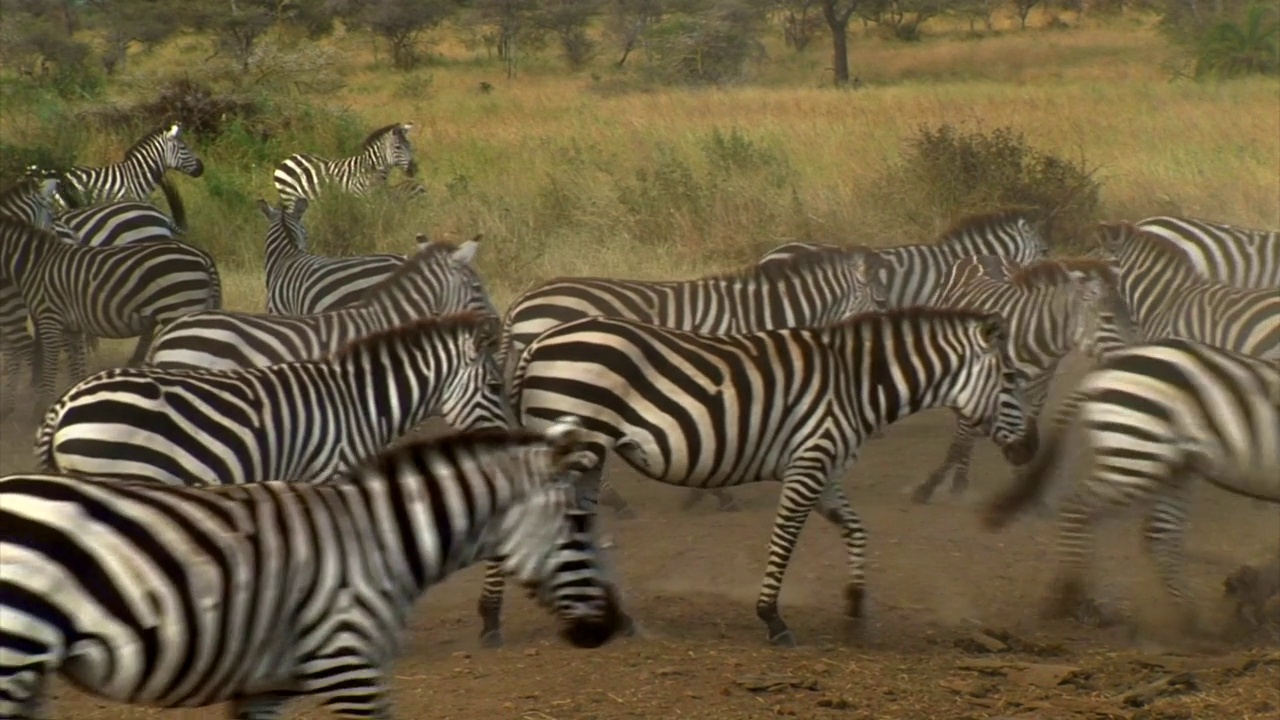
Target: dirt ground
point(953, 631)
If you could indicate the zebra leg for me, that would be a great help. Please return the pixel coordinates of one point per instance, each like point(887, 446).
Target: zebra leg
point(1164, 541)
point(956, 461)
point(258, 707)
point(24, 692)
point(799, 494)
point(77, 362)
point(727, 502)
point(144, 343)
point(490, 605)
point(49, 340)
point(1070, 595)
point(18, 350)
point(833, 504)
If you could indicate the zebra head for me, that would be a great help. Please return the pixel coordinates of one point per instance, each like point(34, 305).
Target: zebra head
point(30, 200)
point(1102, 318)
point(173, 152)
point(991, 394)
point(389, 147)
point(286, 223)
point(550, 546)
point(475, 394)
point(463, 287)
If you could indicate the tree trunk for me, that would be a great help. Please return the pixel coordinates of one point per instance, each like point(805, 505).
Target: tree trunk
point(838, 22)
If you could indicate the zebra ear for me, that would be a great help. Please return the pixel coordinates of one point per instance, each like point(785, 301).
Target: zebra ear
point(565, 434)
point(993, 331)
point(48, 188)
point(466, 252)
point(268, 211)
point(174, 130)
point(300, 206)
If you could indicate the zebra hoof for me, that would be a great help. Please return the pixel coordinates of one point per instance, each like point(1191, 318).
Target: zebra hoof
point(784, 639)
point(491, 640)
point(922, 495)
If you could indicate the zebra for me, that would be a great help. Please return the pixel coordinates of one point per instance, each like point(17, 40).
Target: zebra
point(28, 201)
point(788, 405)
point(299, 283)
point(1155, 416)
point(136, 176)
point(810, 289)
point(439, 279)
point(114, 292)
point(1052, 307)
point(911, 274)
point(298, 421)
point(306, 176)
point(1168, 299)
point(257, 594)
point(1228, 254)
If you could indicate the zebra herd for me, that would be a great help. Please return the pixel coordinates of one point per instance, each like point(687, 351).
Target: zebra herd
point(239, 515)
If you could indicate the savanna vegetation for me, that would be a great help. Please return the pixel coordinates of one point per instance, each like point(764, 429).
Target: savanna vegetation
point(663, 138)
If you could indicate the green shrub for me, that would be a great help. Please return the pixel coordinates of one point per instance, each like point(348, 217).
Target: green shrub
point(1248, 47)
point(946, 172)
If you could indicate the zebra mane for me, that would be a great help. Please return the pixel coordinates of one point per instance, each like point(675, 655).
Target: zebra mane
point(1055, 271)
point(24, 184)
point(388, 341)
point(427, 254)
point(148, 137)
point(978, 221)
point(376, 135)
point(1120, 233)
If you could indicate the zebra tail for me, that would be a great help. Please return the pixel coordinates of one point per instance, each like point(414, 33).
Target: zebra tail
point(45, 461)
point(174, 198)
point(1032, 479)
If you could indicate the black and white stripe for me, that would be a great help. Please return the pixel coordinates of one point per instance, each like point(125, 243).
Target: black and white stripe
point(136, 176)
point(300, 283)
point(300, 421)
point(28, 201)
point(1052, 307)
point(113, 292)
point(788, 405)
point(810, 289)
point(912, 274)
point(1169, 299)
point(309, 176)
point(1155, 417)
point(1244, 257)
point(257, 594)
point(438, 280)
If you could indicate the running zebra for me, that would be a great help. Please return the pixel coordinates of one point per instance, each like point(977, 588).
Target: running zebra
point(788, 405)
point(1238, 256)
point(299, 421)
point(254, 595)
point(299, 283)
point(912, 274)
point(136, 176)
point(811, 289)
point(308, 176)
point(1168, 299)
point(1052, 308)
point(438, 280)
point(1155, 416)
point(114, 292)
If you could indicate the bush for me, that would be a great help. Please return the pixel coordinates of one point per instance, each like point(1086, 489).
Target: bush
point(715, 48)
point(950, 172)
point(1231, 49)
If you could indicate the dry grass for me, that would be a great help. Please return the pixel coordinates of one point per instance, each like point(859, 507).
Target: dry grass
point(548, 169)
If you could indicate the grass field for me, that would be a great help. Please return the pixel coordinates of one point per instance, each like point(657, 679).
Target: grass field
point(564, 176)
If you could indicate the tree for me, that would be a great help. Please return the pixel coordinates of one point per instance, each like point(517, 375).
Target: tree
point(401, 23)
point(799, 25)
point(1023, 9)
point(568, 20)
point(837, 14)
point(629, 20)
point(511, 22)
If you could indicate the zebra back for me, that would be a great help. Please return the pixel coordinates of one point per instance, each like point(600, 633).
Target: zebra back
point(439, 279)
point(913, 274)
point(1245, 257)
point(252, 562)
point(120, 223)
point(1169, 298)
point(812, 288)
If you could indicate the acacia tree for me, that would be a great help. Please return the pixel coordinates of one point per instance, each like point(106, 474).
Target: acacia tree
point(837, 13)
point(1023, 9)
